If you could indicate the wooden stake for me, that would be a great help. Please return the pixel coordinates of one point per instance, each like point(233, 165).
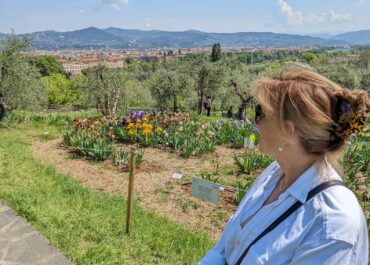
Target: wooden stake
point(130, 190)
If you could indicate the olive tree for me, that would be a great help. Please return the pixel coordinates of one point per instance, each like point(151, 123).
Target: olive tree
point(20, 83)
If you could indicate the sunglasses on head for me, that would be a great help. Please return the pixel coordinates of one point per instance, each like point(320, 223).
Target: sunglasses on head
point(258, 115)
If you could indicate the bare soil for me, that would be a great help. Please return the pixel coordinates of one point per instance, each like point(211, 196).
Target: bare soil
point(155, 188)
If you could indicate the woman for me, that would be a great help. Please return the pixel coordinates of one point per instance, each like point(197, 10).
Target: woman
point(304, 122)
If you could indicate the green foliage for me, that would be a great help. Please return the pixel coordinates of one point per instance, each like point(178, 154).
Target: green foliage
point(240, 190)
point(51, 119)
point(341, 74)
point(242, 77)
point(120, 156)
point(216, 52)
point(168, 84)
point(232, 132)
point(250, 161)
point(61, 91)
point(309, 57)
point(129, 60)
point(210, 176)
point(48, 65)
point(137, 95)
point(210, 79)
point(357, 159)
point(20, 83)
point(365, 82)
point(194, 141)
point(87, 145)
point(139, 158)
point(104, 87)
point(356, 165)
point(364, 59)
point(191, 139)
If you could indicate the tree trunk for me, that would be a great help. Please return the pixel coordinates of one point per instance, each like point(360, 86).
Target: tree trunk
point(200, 102)
point(244, 105)
point(100, 106)
point(115, 102)
point(106, 105)
point(174, 103)
point(2, 110)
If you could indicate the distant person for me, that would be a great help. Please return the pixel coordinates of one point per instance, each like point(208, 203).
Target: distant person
point(208, 105)
point(298, 211)
point(241, 114)
point(230, 113)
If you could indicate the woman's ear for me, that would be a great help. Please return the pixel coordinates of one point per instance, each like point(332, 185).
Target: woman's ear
point(289, 128)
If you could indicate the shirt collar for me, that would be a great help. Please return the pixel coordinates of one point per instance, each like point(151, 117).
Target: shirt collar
point(304, 183)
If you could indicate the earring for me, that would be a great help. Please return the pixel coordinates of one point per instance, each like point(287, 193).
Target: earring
point(281, 147)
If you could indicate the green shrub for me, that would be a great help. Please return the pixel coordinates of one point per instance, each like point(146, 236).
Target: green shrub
point(250, 161)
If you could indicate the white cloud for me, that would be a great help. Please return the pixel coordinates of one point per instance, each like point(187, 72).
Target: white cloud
point(297, 18)
point(339, 17)
point(116, 4)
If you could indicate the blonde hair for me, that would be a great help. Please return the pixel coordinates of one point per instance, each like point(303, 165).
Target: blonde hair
point(311, 101)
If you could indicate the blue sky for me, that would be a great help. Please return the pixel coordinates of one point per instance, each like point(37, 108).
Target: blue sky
point(284, 16)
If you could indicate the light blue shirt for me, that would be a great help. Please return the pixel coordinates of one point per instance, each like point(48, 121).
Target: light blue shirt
point(328, 229)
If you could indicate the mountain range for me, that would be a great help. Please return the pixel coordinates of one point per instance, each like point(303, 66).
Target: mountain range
point(94, 38)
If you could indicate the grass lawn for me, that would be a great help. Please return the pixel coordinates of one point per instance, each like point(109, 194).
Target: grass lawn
point(86, 225)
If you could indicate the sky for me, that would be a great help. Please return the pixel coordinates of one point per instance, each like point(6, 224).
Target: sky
point(281, 16)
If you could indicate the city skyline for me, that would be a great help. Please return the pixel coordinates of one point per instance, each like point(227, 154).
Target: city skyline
point(280, 16)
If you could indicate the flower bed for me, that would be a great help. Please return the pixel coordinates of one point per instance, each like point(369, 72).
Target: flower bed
point(173, 130)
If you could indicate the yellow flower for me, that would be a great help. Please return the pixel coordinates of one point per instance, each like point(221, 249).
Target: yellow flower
point(147, 132)
point(131, 132)
point(130, 125)
point(145, 119)
point(159, 129)
point(147, 126)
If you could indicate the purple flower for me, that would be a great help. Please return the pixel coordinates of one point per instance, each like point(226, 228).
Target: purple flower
point(140, 114)
point(255, 129)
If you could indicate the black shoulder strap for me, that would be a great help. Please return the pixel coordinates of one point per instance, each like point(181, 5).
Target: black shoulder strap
point(288, 212)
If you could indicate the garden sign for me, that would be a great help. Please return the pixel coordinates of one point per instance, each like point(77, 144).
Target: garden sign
point(205, 190)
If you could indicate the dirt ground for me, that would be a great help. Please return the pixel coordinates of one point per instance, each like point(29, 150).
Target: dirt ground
point(155, 188)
